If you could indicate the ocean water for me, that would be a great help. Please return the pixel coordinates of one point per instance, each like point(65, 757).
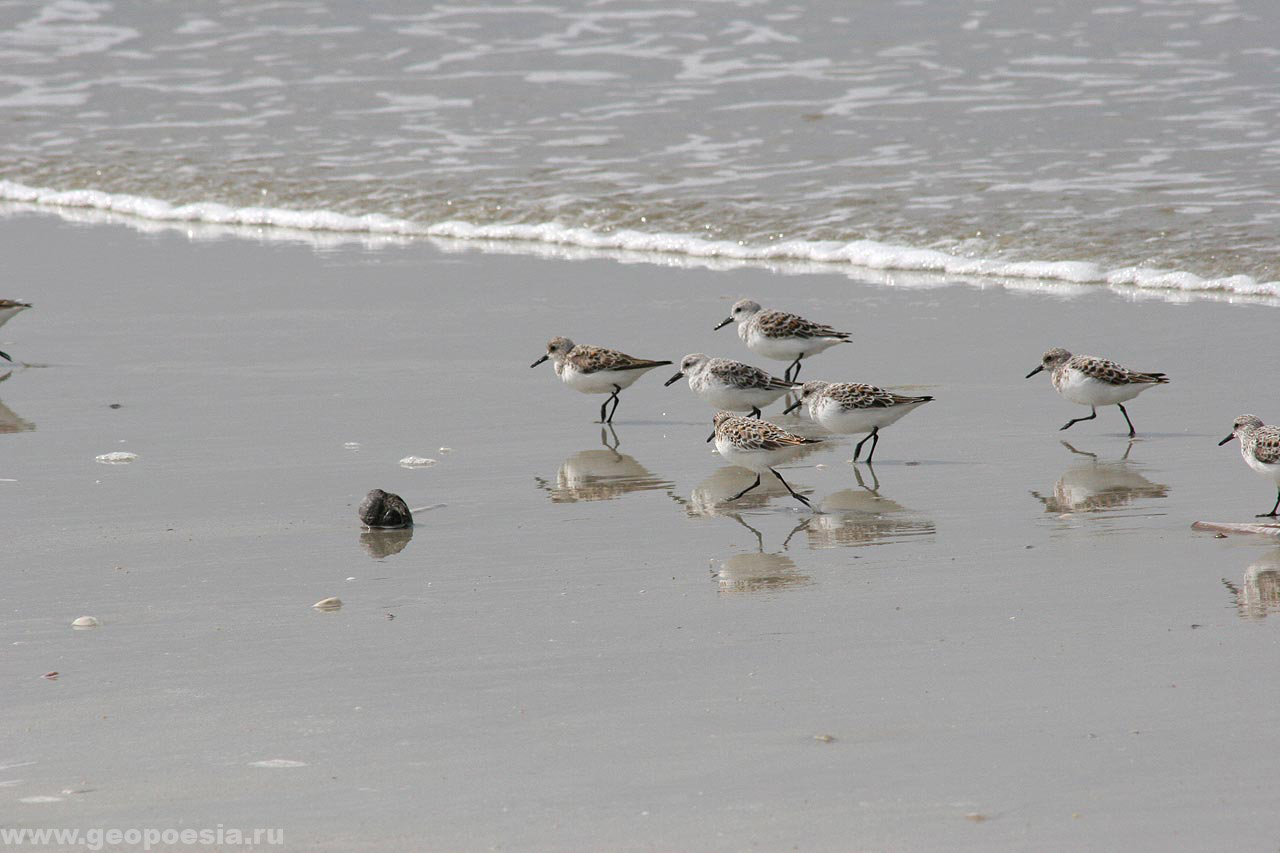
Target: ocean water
point(1128, 143)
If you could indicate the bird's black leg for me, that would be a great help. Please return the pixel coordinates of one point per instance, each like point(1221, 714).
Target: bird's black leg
point(796, 364)
point(1069, 424)
point(744, 491)
point(1132, 431)
point(1271, 514)
point(857, 451)
point(617, 389)
point(793, 492)
point(875, 437)
point(754, 413)
point(603, 408)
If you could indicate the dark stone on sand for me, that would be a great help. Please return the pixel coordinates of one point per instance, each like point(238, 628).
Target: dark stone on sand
point(385, 510)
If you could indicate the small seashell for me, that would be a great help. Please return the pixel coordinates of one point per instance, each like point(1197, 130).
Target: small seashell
point(86, 622)
point(328, 604)
point(120, 457)
point(416, 462)
point(976, 817)
point(383, 509)
point(825, 738)
point(52, 676)
point(446, 450)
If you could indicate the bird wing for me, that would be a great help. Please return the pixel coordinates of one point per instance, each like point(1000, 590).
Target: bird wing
point(1267, 445)
point(588, 359)
point(1108, 371)
point(779, 324)
point(745, 376)
point(851, 395)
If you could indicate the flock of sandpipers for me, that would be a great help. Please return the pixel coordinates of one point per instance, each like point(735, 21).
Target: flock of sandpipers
point(841, 407)
point(845, 407)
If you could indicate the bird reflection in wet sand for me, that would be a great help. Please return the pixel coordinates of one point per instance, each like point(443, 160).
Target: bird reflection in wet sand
point(380, 543)
point(711, 496)
point(600, 475)
point(9, 420)
point(862, 516)
point(1095, 486)
point(1259, 592)
point(759, 572)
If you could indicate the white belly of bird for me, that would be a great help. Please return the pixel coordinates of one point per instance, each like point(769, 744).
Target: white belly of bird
point(600, 382)
point(732, 398)
point(1082, 389)
point(854, 421)
point(1266, 469)
point(759, 461)
point(785, 349)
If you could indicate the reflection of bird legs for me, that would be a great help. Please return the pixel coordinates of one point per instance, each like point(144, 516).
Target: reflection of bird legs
point(1079, 452)
point(1123, 458)
point(759, 539)
point(875, 489)
point(605, 441)
point(804, 525)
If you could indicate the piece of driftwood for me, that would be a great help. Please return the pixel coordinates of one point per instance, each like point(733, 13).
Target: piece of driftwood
point(1232, 527)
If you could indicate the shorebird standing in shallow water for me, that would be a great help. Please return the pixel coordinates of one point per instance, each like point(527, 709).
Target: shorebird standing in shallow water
point(9, 308)
point(1095, 382)
point(596, 370)
point(730, 385)
point(1260, 447)
point(846, 407)
point(779, 335)
point(756, 445)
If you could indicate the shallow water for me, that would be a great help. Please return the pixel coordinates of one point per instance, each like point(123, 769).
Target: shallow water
point(590, 648)
point(1128, 138)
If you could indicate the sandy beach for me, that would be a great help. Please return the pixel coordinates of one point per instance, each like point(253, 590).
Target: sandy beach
point(997, 641)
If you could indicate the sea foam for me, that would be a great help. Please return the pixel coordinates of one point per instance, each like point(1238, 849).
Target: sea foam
point(867, 254)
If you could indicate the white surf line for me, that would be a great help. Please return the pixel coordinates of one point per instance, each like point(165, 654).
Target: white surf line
point(867, 254)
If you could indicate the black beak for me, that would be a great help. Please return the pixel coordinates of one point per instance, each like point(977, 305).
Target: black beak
point(1034, 372)
point(539, 361)
point(789, 409)
point(713, 435)
point(1225, 440)
point(675, 378)
point(726, 321)
point(5, 356)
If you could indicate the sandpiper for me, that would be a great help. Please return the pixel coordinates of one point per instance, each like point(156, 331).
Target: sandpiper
point(730, 385)
point(596, 370)
point(779, 335)
point(850, 408)
point(758, 446)
point(9, 308)
point(1095, 382)
point(1260, 447)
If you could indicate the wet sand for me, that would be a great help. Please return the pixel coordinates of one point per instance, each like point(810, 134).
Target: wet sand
point(589, 648)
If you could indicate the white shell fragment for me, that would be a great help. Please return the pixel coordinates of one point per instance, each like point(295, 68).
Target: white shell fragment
point(277, 763)
point(86, 622)
point(328, 603)
point(120, 457)
point(416, 462)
